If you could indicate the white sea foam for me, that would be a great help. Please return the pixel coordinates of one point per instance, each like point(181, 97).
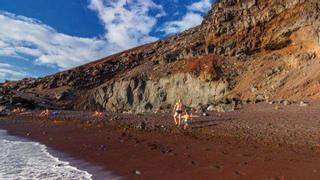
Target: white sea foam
point(23, 160)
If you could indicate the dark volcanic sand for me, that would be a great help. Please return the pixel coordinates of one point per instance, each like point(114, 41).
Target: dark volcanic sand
point(255, 142)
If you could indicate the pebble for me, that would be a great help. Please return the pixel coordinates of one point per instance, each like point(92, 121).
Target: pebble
point(103, 147)
point(218, 167)
point(240, 173)
point(205, 114)
point(137, 172)
point(303, 104)
point(286, 103)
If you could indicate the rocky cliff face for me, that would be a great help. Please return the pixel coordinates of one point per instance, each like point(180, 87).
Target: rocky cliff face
point(244, 49)
point(140, 94)
point(246, 27)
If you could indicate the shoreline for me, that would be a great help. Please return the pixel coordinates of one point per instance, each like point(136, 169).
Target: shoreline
point(123, 147)
point(97, 172)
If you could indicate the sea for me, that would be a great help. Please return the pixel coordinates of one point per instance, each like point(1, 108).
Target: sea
point(21, 159)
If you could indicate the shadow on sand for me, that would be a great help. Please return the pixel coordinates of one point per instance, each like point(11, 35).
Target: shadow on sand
point(195, 124)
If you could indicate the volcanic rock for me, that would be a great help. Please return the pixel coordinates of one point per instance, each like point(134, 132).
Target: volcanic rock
point(303, 104)
point(244, 49)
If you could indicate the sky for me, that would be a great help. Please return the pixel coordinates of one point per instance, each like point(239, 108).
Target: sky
point(42, 37)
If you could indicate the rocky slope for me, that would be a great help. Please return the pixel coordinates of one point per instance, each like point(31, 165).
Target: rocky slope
point(244, 50)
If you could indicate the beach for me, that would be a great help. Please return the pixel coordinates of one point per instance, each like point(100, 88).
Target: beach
point(257, 141)
point(91, 90)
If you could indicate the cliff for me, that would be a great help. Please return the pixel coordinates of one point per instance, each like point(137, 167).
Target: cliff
point(245, 50)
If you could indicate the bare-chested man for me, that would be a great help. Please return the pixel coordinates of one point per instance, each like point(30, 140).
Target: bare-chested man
point(178, 110)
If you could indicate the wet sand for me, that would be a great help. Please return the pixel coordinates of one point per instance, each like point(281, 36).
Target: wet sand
point(220, 146)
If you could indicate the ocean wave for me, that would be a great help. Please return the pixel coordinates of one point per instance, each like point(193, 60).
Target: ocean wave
point(31, 160)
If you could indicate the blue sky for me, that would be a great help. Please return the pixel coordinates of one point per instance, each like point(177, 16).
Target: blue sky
point(41, 37)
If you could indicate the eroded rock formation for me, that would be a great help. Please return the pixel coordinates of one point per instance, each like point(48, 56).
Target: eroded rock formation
point(140, 94)
point(244, 49)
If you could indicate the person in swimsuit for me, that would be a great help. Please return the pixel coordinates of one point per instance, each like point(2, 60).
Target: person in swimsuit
point(45, 113)
point(178, 110)
point(98, 114)
point(18, 110)
point(186, 118)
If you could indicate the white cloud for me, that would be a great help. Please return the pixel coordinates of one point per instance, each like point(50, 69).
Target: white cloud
point(5, 65)
point(128, 23)
point(20, 36)
point(191, 19)
point(202, 6)
point(9, 72)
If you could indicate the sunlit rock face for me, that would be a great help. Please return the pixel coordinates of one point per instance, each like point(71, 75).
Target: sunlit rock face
point(244, 50)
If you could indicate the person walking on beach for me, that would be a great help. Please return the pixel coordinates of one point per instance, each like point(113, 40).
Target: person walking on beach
point(178, 109)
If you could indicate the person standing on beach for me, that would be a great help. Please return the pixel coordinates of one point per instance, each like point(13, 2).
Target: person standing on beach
point(187, 118)
point(178, 109)
point(98, 114)
point(45, 113)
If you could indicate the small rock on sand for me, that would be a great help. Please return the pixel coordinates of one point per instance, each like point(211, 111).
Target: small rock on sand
point(304, 104)
point(218, 166)
point(211, 108)
point(141, 126)
point(286, 103)
point(137, 172)
point(194, 163)
point(240, 173)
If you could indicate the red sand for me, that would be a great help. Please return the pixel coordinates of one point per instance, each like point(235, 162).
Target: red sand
point(172, 154)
